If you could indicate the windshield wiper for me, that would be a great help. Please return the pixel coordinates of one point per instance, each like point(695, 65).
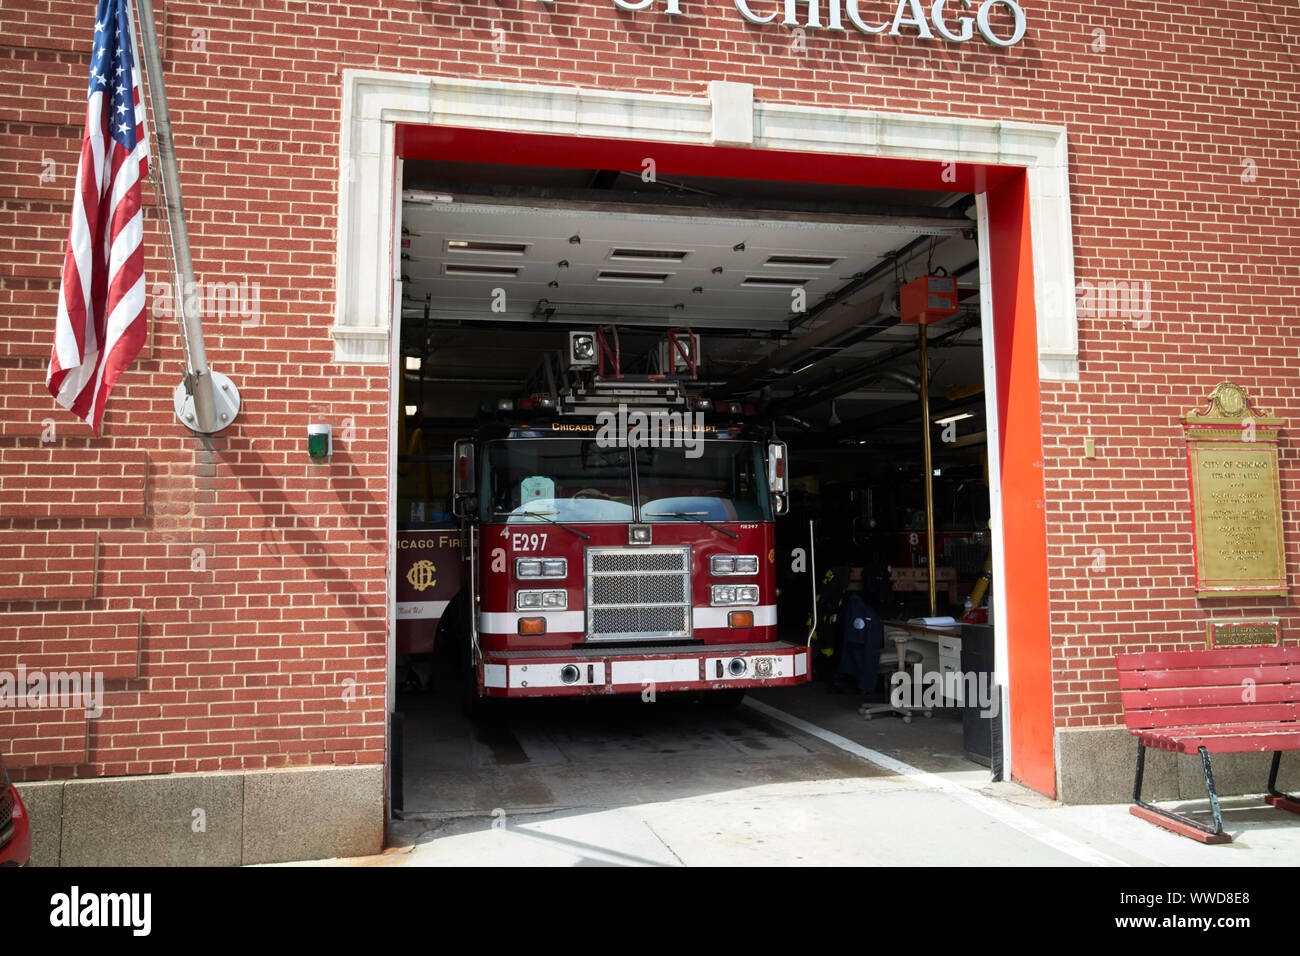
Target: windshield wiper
point(696, 516)
point(542, 514)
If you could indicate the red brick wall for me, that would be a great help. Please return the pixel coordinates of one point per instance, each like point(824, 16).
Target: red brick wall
point(1184, 173)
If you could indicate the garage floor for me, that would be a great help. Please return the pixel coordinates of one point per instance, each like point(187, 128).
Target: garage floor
point(670, 748)
point(621, 782)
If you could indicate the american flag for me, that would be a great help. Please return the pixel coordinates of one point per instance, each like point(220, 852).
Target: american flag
point(101, 321)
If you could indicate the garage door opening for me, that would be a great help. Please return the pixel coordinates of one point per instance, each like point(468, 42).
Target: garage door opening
point(793, 294)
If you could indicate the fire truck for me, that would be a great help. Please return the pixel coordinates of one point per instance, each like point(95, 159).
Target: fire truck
point(618, 538)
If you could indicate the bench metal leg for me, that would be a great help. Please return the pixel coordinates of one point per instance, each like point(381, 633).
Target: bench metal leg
point(1283, 801)
point(1182, 825)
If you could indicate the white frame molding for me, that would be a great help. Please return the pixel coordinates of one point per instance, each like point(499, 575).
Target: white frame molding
point(373, 102)
point(369, 280)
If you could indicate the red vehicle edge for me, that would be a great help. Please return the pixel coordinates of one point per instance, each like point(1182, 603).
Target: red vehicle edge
point(15, 826)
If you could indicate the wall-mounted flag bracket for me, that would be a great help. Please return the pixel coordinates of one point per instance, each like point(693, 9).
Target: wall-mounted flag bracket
point(205, 401)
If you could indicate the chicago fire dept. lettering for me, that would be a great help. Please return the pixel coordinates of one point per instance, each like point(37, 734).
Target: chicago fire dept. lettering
point(442, 541)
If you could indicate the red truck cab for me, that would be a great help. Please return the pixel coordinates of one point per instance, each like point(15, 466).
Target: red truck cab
point(597, 567)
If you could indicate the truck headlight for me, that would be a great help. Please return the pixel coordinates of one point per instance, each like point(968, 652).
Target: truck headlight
point(541, 567)
point(725, 564)
point(730, 595)
point(541, 600)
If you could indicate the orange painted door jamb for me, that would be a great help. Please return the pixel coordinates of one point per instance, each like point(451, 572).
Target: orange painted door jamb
point(1024, 515)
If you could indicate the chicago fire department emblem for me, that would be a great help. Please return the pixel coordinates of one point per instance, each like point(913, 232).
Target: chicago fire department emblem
point(421, 575)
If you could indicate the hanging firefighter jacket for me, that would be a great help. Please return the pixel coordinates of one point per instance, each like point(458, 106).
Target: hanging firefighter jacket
point(826, 642)
point(863, 637)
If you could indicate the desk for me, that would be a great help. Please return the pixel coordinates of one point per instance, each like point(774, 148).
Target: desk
point(940, 649)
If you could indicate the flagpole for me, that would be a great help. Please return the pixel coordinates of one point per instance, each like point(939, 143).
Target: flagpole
point(205, 401)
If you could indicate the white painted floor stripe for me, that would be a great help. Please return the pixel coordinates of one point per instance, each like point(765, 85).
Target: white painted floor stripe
point(986, 805)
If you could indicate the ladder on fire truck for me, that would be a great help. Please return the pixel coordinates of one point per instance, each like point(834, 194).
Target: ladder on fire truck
point(607, 386)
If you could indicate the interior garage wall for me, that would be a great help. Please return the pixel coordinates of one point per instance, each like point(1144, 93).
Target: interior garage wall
point(234, 593)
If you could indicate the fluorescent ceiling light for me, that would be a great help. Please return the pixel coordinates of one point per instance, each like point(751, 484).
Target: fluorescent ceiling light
point(487, 248)
point(773, 282)
point(807, 262)
point(651, 278)
point(953, 418)
point(648, 255)
point(481, 272)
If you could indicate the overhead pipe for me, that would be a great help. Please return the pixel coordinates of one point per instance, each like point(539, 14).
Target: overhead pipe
point(895, 260)
point(868, 371)
point(820, 337)
point(847, 329)
point(898, 375)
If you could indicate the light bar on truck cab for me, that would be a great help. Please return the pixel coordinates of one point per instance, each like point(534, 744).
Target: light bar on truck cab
point(541, 567)
point(721, 565)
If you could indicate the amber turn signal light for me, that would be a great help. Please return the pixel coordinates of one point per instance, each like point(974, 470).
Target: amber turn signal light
point(532, 625)
point(741, 618)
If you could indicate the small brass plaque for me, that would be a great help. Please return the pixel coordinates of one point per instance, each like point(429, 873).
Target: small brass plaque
point(1243, 633)
point(1236, 499)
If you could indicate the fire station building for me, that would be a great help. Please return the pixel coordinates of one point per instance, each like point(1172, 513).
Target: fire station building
point(397, 210)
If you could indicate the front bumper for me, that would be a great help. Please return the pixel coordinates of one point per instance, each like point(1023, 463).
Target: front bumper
point(609, 670)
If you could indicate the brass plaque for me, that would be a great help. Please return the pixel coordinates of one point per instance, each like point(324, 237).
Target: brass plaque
point(1243, 633)
point(1236, 499)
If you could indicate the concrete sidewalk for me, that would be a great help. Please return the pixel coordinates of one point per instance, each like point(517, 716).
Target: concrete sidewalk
point(803, 780)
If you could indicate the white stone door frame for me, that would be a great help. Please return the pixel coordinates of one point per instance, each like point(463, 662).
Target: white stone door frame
point(374, 102)
point(368, 304)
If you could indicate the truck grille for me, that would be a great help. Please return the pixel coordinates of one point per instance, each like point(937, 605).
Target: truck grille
point(634, 593)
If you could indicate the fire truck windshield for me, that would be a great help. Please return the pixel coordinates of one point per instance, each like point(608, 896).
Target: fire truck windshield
point(564, 479)
point(714, 481)
point(578, 480)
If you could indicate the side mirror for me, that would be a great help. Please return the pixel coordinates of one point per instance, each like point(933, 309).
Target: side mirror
point(776, 476)
point(776, 460)
point(464, 502)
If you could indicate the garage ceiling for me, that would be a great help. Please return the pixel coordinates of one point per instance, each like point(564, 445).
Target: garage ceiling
point(599, 266)
point(502, 279)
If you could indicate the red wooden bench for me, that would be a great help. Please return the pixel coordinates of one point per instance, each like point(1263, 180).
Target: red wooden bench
point(1230, 700)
